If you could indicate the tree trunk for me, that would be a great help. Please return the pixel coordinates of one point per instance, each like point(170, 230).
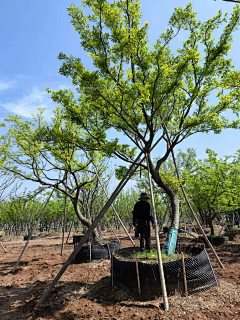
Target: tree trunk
point(210, 224)
point(175, 210)
point(170, 243)
point(173, 198)
point(86, 222)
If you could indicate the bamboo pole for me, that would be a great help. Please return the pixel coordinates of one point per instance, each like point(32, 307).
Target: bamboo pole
point(138, 278)
point(189, 205)
point(184, 276)
point(112, 275)
point(160, 263)
point(3, 247)
point(31, 233)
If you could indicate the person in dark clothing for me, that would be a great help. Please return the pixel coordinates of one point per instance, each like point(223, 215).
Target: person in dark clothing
point(141, 219)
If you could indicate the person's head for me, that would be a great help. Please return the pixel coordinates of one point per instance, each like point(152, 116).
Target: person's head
point(144, 197)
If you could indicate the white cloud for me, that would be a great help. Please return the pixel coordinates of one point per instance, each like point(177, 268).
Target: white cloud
point(29, 104)
point(6, 84)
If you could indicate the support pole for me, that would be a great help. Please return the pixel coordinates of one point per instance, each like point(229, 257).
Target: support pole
point(184, 276)
point(3, 247)
point(115, 212)
point(138, 278)
point(160, 263)
point(33, 230)
point(189, 205)
point(112, 275)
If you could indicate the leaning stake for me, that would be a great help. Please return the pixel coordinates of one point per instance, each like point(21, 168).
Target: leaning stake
point(184, 275)
point(138, 278)
point(3, 247)
point(160, 263)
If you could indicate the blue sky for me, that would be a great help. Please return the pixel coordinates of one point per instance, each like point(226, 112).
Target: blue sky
point(33, 33)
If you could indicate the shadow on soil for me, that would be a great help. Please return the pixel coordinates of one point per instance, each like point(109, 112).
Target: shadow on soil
point(16, 301)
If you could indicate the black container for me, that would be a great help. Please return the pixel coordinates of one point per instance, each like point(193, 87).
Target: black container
point(97, 252)
point(32, 237)
point(215, 241)
point(76, 240)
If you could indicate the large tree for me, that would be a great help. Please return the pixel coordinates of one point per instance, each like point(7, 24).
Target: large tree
point(133, 87)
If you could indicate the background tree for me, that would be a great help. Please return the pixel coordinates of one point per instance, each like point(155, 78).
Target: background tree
point(52, 155)
point(214, 187)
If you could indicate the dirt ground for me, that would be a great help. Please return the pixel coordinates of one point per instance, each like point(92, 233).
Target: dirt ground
point(84, 291)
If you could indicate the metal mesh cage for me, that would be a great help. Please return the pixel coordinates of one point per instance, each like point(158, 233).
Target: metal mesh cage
point(199, 273)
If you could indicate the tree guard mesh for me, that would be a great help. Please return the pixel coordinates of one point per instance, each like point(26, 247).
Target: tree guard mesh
point(199, 273)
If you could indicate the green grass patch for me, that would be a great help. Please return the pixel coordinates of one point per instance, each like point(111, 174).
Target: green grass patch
point(152, 255)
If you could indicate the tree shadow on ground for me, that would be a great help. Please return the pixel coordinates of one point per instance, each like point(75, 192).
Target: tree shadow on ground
point(18, 301)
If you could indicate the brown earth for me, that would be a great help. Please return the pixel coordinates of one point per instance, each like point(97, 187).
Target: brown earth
point(84, 291)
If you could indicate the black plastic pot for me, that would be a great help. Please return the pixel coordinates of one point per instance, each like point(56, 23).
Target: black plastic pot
point(32, 237)
point(165, 229)
point(76, 239)
point(98, 252)
point(215, 241)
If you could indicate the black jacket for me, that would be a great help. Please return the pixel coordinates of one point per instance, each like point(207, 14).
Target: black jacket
point(142, 210)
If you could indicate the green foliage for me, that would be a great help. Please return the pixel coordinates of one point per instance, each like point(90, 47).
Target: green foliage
point(214, 187)
point(133, 86)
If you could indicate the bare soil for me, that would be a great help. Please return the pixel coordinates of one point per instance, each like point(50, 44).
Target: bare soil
point(84, 291)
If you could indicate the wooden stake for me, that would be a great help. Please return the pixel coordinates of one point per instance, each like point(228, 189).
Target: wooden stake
point(112, 275)
point(184, 276)
point(160, 263)
point(138, 279)
point(3, 247)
